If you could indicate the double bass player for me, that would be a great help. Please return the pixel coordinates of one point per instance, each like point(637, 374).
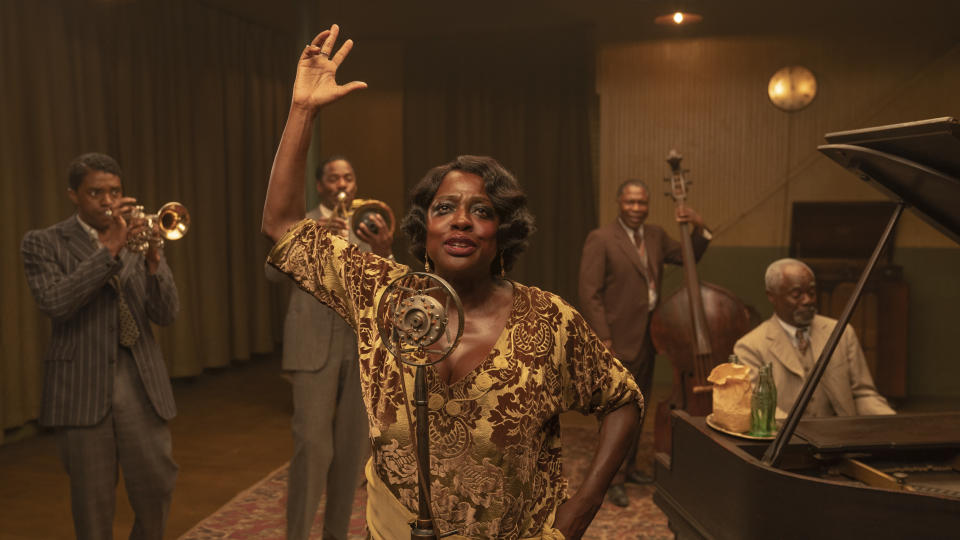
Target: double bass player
point(619, 287)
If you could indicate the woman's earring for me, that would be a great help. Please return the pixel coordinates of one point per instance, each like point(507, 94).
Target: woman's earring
point(503, 269)
point(426, 263)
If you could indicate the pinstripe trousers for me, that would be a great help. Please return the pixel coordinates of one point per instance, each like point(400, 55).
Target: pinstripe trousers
point(132, 437)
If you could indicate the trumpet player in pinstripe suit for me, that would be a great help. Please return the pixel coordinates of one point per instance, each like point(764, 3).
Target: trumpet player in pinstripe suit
point(106, 389)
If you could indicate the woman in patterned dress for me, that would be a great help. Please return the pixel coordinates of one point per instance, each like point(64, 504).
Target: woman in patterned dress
point(525, 355)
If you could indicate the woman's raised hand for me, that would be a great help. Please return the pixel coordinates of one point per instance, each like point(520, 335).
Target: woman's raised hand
point(316, 83)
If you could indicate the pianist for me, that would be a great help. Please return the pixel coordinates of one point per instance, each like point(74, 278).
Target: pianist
point(792, 340)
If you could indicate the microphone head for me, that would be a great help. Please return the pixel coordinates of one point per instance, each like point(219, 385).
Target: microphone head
point(420, 320)
point(412, 316)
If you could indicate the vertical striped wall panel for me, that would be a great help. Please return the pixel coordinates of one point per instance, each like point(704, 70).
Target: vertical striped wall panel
point(748, 160)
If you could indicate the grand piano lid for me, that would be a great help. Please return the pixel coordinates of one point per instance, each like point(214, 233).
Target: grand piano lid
point(931, 193)
point(914, 162)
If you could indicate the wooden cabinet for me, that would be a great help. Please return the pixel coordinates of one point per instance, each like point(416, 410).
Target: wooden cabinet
point(836, 239)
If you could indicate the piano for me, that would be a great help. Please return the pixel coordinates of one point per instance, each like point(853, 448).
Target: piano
point(871, 477)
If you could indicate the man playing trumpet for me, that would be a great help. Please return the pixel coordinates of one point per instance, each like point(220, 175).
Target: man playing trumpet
point(320, 354)
point(106, 388)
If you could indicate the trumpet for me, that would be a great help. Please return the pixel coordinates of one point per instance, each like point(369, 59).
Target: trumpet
point(171, 222)
point(361, 211)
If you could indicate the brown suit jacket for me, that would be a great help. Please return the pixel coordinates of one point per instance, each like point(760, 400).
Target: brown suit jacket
point(613, 289)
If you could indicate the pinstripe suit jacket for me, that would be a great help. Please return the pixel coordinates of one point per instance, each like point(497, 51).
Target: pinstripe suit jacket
point(69, 277)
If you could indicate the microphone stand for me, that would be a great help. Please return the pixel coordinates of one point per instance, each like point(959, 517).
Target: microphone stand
point(423, 526)
point(419, 320)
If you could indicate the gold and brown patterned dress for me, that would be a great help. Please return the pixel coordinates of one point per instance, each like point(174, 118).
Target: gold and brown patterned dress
point(496, 467)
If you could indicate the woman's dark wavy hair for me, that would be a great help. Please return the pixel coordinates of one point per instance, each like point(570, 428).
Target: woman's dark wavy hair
point(509, 202)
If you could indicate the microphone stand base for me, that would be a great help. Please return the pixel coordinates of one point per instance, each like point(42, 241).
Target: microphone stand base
point(417, 532)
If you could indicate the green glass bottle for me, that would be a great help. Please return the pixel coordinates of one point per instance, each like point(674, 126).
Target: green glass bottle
point(763, 404)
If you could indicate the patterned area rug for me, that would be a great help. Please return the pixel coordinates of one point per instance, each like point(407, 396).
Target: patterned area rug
point(258, 512)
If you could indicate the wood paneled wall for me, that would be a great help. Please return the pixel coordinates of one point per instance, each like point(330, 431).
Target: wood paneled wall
point(367, 126)
point(749, 161)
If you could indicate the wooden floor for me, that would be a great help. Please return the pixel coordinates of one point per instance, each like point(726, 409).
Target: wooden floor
point(233, 428)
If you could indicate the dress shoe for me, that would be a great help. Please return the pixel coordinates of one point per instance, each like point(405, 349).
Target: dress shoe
point(636, 477)
point(617, 494)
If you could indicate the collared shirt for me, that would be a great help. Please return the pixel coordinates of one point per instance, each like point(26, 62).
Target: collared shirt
point(94, 235)
point(791, 331)
point(631, 232)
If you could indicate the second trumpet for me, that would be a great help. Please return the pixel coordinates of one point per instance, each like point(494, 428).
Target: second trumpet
point(360, 211)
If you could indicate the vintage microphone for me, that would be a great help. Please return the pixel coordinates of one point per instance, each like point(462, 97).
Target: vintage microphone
point(411, 319)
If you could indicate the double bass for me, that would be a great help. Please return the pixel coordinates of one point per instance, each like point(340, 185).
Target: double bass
point(696, 327)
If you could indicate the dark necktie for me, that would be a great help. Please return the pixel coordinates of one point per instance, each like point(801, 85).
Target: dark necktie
point(641, 249)
point(645, 264)
point(129, 331)
point(803, 342)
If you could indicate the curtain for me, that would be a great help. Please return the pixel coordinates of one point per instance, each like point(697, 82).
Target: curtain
point(527, 100)
point(190, 100)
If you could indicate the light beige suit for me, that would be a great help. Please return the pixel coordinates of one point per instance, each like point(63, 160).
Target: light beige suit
point(846, 382)
point(329, 421)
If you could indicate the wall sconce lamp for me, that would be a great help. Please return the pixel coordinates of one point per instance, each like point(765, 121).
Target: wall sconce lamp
point(792, 88)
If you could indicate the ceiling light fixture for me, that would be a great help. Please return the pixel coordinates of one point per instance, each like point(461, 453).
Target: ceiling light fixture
point(678, 12)
point(678, 18)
